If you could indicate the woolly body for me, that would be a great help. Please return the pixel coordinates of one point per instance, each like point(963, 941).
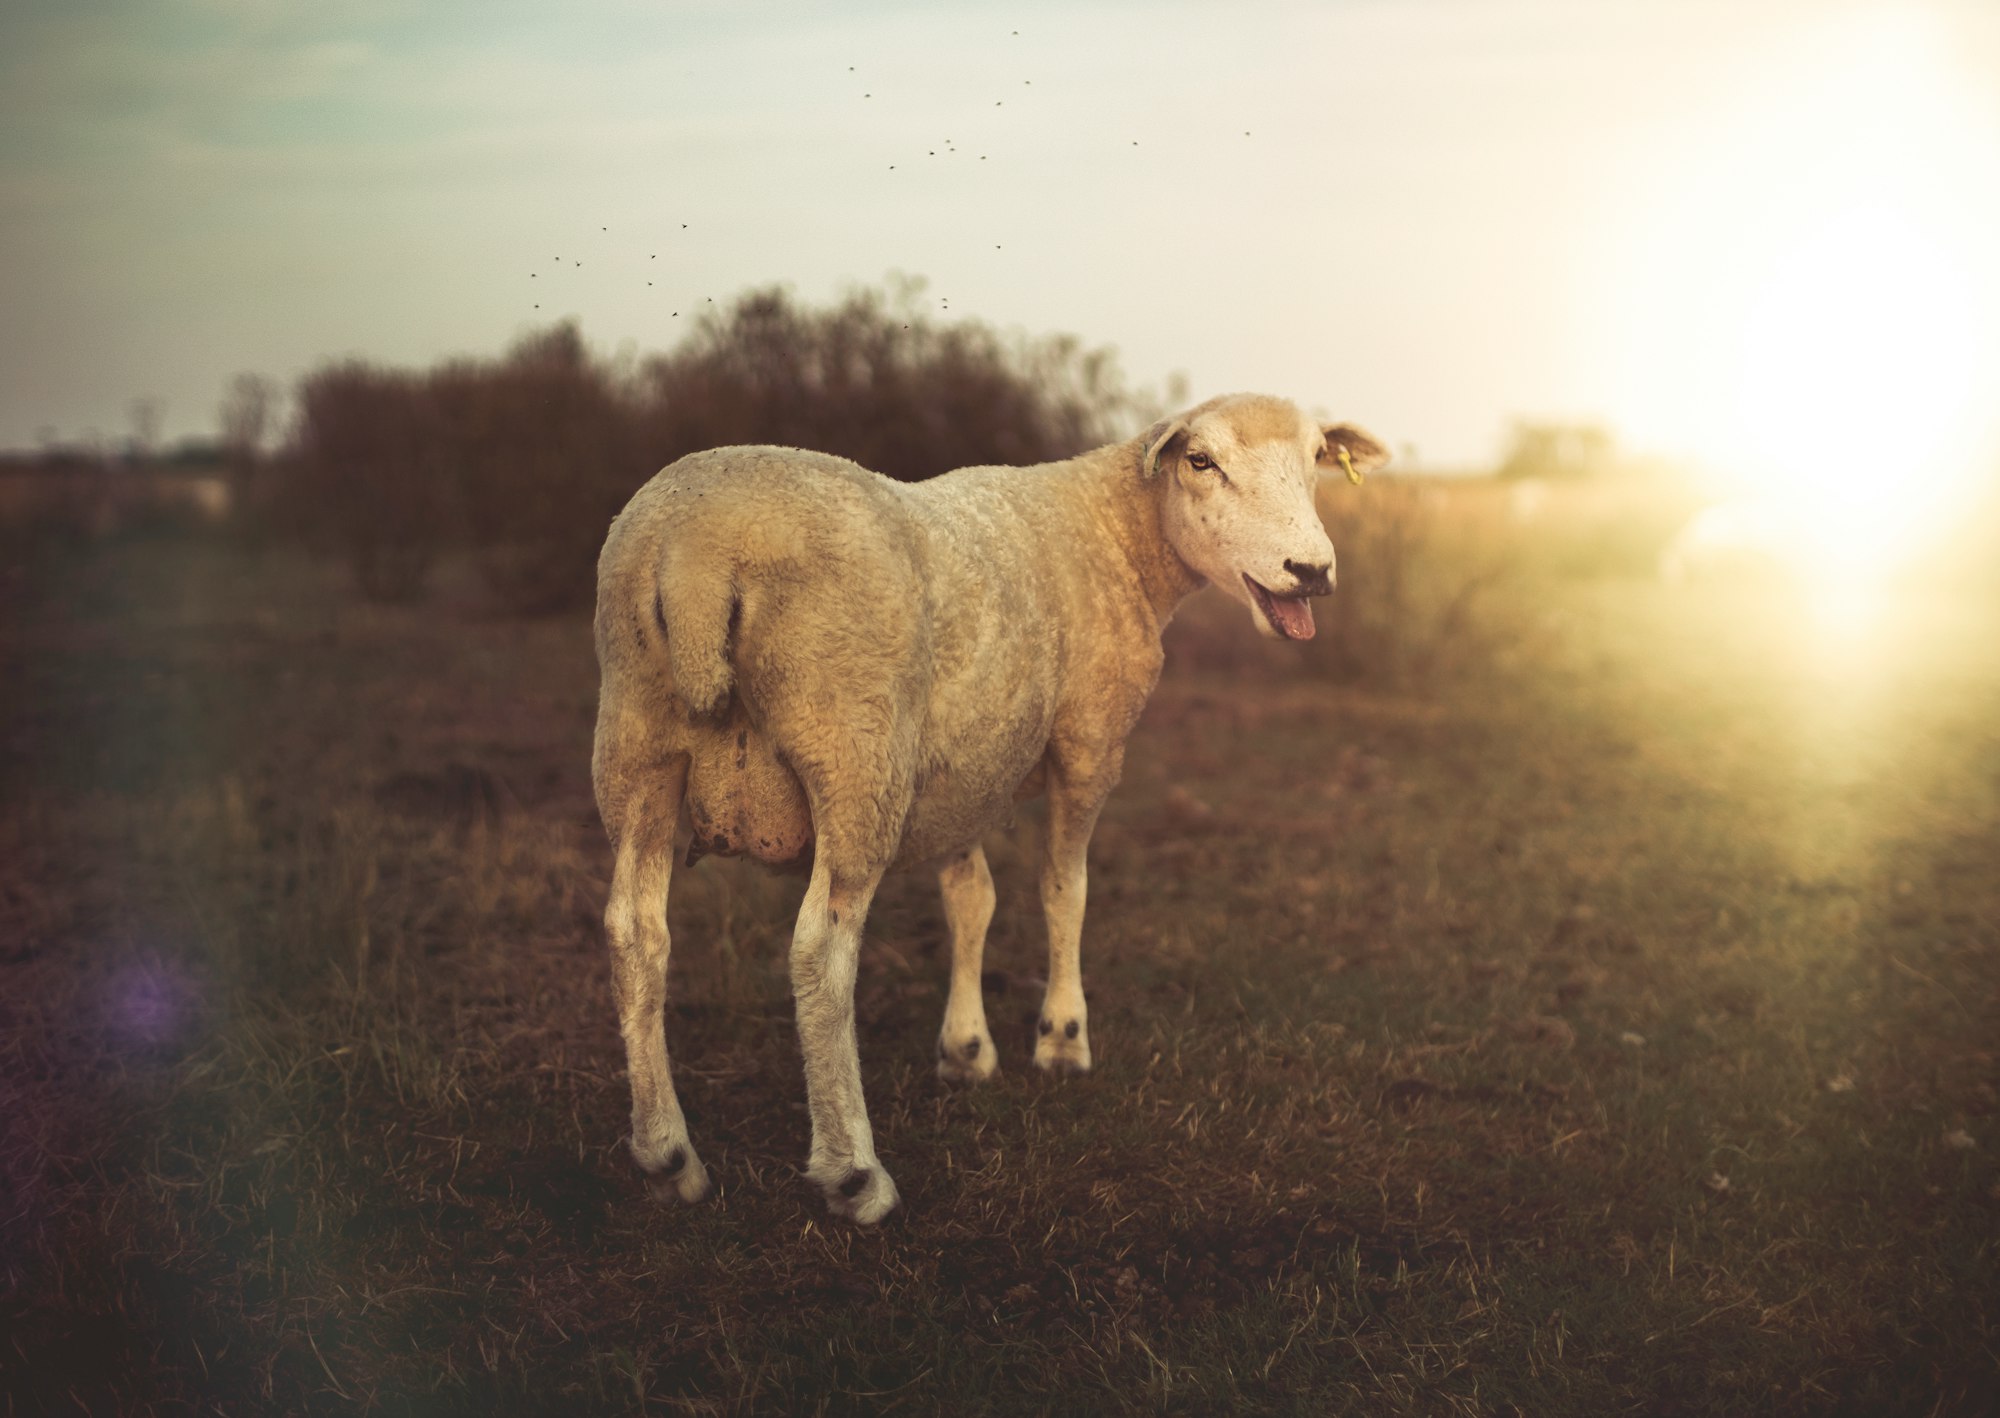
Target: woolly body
point(854, 619)
point(807, 662)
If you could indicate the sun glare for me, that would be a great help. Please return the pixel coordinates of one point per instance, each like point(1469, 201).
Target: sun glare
point(1813, 320)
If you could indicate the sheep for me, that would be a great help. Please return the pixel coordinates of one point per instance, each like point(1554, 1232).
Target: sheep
point(811, 664)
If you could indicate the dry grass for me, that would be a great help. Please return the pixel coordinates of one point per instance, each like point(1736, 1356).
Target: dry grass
point(1600, 1035)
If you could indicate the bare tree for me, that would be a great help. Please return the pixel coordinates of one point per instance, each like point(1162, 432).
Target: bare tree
point(145, 419)
point(245, 417)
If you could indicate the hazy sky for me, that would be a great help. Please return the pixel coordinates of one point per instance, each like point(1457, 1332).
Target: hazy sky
point(1424, 215)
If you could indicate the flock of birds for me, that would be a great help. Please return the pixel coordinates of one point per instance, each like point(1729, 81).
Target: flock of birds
point(948, 149)
point(576, 265)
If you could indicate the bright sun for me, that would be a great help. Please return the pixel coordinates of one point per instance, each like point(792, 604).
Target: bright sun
point(1814, 317)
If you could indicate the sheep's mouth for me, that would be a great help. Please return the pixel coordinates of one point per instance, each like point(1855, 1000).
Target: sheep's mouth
point(1290, 616)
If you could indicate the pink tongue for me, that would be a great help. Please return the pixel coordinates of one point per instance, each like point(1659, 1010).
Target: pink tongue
point(1294, 618)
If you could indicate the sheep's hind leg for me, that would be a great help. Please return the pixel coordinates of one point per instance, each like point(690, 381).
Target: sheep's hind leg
point(648, 837)
point(826, 948)
point(965, 1046)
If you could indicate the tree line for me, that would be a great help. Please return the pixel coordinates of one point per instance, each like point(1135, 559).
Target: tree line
point(521, 461)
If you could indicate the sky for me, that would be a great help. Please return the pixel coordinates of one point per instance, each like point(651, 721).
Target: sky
point(1431, 217)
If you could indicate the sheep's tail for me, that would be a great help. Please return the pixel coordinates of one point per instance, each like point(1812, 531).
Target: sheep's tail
point(696, 604)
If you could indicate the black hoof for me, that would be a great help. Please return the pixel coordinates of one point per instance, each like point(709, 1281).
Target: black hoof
point(679, 1178)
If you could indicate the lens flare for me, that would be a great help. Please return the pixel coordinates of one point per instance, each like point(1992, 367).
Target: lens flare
point(1813, 320)
point(149, 1004)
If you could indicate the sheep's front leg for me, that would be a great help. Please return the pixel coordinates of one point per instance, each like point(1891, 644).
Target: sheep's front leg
point(965, 1047)
point(826, 948)
point(1062, 1044)
point(649, 836)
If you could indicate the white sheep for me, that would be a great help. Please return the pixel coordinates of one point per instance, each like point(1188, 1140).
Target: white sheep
point(805, 661)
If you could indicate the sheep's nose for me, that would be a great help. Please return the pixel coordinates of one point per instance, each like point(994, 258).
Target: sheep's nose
point(1315, 579)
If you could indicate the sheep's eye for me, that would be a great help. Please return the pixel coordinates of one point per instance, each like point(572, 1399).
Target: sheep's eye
point(1201, 462)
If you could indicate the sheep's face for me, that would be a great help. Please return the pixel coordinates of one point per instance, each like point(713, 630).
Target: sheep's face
point(1238, 506)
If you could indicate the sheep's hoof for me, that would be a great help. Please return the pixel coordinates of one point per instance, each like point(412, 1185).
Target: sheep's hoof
point(1064, 1049)
point(864, 1195)
point(972, 1060)
point(678, 1177)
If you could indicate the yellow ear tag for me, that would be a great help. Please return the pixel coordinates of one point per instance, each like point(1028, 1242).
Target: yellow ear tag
point(1353, 473)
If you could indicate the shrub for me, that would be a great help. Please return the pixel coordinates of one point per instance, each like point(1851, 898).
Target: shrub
point(528, 457)
point(367, 476)
point(543, 449)
point(876, 380)
point(1421, 563)
point(1431, 591)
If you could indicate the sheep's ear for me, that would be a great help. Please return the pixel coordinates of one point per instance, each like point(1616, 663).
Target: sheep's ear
point(1364, 454)
point(1156, 441)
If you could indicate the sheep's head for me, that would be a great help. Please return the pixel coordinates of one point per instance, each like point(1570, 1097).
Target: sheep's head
point(1238, 503)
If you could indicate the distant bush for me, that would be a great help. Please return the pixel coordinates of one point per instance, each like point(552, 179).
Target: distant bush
point(524, 460)
point(876, 380)
point(1419, 565)
point(542, 448)
point(1558, 452)
point(367, 475)
point(1430, 590)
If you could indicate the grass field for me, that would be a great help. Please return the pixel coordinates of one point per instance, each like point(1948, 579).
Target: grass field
point(1606, 1027)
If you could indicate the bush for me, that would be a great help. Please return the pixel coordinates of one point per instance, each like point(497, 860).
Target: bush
point(875, 380)
point(1429, 591)
point(366, 476)
point(1421, 563)
point(527, 458)
point(543, 448)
